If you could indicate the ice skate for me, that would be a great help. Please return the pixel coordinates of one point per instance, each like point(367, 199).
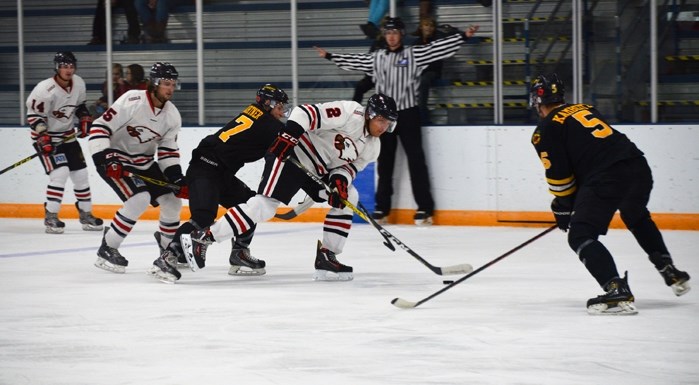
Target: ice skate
point(173, 258)
point(618, 299)
point(678, 280)
point(242, 263)
point(163, 271)
point(194, 246)
point(328, 268)
point(109, 258)
point(380, 217)
point(422, 218)
point(52, 223)
point(89, 221)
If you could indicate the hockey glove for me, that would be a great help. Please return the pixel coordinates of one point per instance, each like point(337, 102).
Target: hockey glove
point(174, 173)
point(338, 194)
point(286, 141)
point(283, 145)
point(84, 127)
point(562, 209)
point(109, 163)
point(43, 144)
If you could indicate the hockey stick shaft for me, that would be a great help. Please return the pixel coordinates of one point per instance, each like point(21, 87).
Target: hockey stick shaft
point(30, 157)
point(296, 211)
point(154, 181)
point(403, 304)
point(457, 269)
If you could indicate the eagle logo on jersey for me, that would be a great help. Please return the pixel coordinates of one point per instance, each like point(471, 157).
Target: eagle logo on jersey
point(64, 112)
point(348, 150)
point(144, 134)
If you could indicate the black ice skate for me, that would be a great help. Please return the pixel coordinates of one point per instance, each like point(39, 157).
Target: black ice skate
point(89, 221)
point(617, 301)
point(52, 223)
point(163, 271)
point(109, 258)
point(678, 280)
point(380, 217)
point(328, 268)
point(173, 258)
point(194, 246)
point(242, 263)
point(422, 218)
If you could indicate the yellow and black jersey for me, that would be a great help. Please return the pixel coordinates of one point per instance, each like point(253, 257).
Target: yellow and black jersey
point(574, 143)
point(244, 139)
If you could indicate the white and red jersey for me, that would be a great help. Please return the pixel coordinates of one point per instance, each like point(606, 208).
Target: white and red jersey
point(136, 130)
point(56, 106)
point(336, 140)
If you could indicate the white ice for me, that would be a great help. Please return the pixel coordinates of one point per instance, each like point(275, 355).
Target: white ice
point(519, 321)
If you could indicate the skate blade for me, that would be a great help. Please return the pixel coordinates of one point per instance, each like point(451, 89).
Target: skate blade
point(54, 230)
point(324, 275)
point(106, 265)
point(244, 270)
point(187, 247)
point(161, 276)
point(680, 288)
point(89, 227)
point(622, 308)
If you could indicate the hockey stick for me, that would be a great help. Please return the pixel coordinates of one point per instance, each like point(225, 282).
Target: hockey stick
point(404, 304)
point(456, 269)
point(154, 181)
point(296, 211)
point(30, 157)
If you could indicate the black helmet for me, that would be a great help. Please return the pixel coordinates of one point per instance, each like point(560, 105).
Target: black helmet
point(273, 94)
point(393, 23)
point(380, 104)
point(546, 89)
point(163, 71)
point(64, 57)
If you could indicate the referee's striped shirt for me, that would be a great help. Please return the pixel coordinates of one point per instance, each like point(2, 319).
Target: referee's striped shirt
point(397, 74)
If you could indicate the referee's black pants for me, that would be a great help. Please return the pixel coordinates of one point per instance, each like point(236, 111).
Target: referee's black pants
point(409, 132)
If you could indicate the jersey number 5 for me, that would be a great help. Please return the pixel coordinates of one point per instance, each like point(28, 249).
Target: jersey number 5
point(599, 133)
point(243, 124)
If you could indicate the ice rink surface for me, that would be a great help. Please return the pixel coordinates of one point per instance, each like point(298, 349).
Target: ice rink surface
point(520, 321)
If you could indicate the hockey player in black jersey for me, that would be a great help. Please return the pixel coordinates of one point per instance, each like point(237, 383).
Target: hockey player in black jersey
point(594, 170)
point(212, 181)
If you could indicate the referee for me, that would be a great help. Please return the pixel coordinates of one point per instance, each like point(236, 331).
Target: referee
point(396, 71)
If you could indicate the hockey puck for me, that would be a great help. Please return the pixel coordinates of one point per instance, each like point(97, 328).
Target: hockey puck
point(447, 282)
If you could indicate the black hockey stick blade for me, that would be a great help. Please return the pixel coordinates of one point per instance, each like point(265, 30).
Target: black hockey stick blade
point(405, 304)
point(296, 211)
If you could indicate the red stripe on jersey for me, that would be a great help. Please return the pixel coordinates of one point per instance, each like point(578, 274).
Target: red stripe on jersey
point(98, 131)
point(273, 177)
point(121, 225)
point(241, 223)
point(338, 224)
point(314, 117)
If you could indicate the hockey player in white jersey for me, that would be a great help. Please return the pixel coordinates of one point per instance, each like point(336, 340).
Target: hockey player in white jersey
point(52, 109)
point(335, 140)
point(124, 141)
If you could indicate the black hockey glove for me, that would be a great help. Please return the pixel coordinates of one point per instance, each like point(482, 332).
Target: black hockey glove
point(338, 194)
point(174, 174)
point(286, 141)
point(562, 209)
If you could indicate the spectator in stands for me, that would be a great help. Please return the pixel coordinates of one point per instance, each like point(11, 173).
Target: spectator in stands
point(154, 15)
point(377, 10)
point(119, 87)
point(99, 23)
point(427, 33)
point(135, 77)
